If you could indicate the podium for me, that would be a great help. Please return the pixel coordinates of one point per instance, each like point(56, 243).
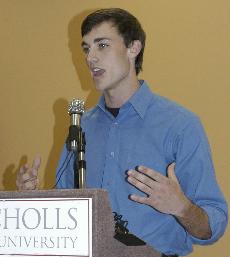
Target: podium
point(103, 226)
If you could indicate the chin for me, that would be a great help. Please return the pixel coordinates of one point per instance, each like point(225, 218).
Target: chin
point(99, 85)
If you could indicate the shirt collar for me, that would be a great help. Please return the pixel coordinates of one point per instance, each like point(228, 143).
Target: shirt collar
point(140, 100)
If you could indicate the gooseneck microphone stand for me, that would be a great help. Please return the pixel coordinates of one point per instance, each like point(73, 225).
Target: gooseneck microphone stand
point(76, 142)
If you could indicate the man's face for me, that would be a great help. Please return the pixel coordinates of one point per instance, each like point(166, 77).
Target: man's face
point(107, 56)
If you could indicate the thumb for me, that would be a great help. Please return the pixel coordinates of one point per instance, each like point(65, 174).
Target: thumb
point(171, 172)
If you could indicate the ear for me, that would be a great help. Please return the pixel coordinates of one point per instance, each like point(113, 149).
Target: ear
point(134, 49)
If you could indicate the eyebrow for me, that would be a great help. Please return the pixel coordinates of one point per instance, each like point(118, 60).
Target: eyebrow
point(96, 40)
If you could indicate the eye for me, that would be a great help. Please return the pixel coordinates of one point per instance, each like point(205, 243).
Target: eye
point(85, 49)
point(102, 45)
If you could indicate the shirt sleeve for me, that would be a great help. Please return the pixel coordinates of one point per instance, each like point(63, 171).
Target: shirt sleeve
point(195, 171)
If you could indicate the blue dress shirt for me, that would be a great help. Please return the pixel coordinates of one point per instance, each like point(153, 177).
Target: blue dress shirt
point(153, 131)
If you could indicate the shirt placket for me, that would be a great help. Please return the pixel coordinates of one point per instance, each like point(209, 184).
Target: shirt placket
point(111, 158)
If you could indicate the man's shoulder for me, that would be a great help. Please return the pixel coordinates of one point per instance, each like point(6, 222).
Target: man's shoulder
point(163, 106)
point(163, 103)
point(170, 112)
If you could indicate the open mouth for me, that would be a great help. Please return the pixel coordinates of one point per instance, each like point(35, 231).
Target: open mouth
point(97, 72)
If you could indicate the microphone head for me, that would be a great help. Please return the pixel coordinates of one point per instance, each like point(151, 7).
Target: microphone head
point(76, 106)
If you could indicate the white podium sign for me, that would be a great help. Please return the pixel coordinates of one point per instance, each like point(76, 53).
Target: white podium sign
point(46, 227)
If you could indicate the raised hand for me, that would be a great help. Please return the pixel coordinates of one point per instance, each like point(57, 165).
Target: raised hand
point(27, 177)
point(162, 193)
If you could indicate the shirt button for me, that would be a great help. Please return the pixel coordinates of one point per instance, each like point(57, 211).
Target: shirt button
point(112, 154)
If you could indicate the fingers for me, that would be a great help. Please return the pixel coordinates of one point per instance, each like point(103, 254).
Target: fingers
point(29, 184)
point(143, 183)
point(146, 180)
point(36, 165)
point(162, 192)
point(147, 176)
point(139, 199)
point(27, 177)
point(152, 174)
point(23, 169)
point(37, 162)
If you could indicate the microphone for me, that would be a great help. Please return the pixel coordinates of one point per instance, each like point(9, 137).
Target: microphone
point(76, 140)
point(76, 109)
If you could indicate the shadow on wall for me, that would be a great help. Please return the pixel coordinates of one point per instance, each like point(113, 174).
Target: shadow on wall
point(10, 174)
point(78, 59)
point(60, 130)
point(59, 135)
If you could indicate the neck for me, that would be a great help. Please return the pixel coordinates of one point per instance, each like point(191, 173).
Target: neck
point(116, 97)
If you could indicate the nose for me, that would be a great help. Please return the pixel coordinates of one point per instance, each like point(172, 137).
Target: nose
point(92, 57)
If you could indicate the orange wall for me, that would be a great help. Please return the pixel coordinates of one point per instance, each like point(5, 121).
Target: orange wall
point(187, 59)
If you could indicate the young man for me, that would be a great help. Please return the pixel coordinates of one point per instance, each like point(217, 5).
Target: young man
point(134, 138)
